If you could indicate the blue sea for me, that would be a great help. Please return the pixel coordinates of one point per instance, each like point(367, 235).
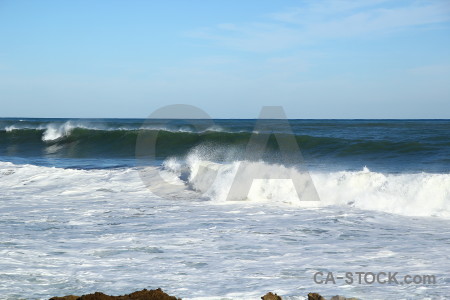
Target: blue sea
point(82, 211)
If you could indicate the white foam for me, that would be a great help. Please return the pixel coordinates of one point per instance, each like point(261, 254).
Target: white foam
point(183, 129)
point(68, 231)
point(10, 128)
point(54, 132)
point(421, 194)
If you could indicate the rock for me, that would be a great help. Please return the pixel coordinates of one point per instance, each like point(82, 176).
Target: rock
point(145, 294)
point(98, 296)
point(158, 294)
point(271, 296)
point(315, 296)
point(342, 298)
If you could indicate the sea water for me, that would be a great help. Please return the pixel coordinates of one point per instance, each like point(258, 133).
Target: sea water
point(79, 213)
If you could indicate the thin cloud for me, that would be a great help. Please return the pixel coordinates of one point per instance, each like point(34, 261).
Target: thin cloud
point(254, 37)
point(316, 22)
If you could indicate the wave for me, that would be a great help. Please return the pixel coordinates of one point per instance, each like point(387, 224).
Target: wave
point(81, 139)
point(421, 194)
point(56, 130)
point(54, 133)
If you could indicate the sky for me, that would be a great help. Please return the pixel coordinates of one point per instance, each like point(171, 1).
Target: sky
point(317, 59)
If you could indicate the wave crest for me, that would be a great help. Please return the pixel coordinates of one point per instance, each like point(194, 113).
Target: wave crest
point(420, 194)
point(53, 132)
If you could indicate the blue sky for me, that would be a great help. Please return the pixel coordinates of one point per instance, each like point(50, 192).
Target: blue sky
point(317, 59)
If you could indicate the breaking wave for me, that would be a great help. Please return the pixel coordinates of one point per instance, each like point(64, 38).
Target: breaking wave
point(74, 139)
point(418, 194)
point(422, 194)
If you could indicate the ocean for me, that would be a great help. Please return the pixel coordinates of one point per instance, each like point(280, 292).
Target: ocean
point(81, 211)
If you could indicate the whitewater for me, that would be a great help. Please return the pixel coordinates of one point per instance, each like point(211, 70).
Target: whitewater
point(78, 218)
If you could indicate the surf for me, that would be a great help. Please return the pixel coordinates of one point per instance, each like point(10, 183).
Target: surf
point(409, 194)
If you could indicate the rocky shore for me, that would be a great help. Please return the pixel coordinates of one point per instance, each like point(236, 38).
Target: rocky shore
point(158, 294)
